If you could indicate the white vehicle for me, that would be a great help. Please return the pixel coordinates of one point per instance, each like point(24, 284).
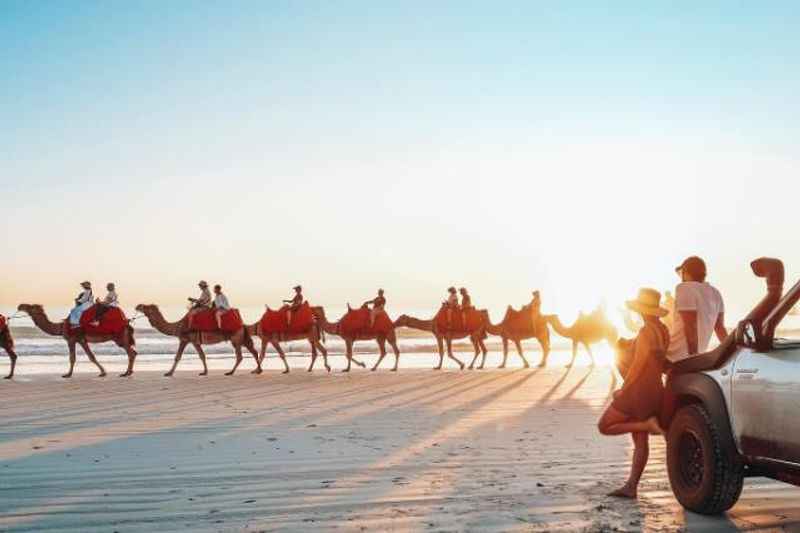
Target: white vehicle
point(738, 406)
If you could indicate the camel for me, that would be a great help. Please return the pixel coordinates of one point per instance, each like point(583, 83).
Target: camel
point(313, 335)
point(446, 337)
point(7, 343)
point(350, 337)
point(586, 330)
point(516, 327)
point(197, 339)
point(124, 340)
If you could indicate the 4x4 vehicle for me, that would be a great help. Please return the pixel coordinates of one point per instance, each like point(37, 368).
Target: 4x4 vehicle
point(738, 406)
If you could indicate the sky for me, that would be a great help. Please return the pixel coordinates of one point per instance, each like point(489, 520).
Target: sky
point(581, 148)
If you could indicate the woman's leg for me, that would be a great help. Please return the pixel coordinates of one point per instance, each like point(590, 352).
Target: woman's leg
point(641, 452)
point(615, 422)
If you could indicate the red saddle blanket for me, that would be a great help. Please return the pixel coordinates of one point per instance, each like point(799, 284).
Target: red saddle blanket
point(3, 323)
point(520, 321)
point(356, 322)
point(275, 321)
point(111, 323)
point(474, 320)
point(206, 321)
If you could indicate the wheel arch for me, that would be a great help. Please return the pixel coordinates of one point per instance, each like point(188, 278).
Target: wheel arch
point(697, 388)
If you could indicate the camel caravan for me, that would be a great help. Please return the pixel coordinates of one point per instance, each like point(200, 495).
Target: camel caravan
point(211, 319)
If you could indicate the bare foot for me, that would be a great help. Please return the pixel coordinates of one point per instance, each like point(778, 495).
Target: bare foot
point(624, 492)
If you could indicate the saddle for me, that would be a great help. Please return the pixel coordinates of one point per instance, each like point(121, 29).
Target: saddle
point(473, 317)
point(112, 322)
point(205, 321)
point(356, 322)
point(274, 322)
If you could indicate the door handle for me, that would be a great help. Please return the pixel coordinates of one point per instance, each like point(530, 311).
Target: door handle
point(747, 371)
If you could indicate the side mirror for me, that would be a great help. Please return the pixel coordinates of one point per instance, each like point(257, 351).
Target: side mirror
point(747, 334)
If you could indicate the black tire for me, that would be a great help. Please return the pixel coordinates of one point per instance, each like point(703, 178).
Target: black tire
point(705, 470)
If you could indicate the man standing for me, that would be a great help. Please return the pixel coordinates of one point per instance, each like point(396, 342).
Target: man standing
point(699, 312)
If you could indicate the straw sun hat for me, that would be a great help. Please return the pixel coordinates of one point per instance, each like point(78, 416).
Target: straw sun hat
point(648, 302)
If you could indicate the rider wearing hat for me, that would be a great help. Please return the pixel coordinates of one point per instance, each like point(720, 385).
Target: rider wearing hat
point(82, 302)
point(199, 304)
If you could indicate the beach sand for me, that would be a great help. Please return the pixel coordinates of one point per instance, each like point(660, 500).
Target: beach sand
point(496, 450)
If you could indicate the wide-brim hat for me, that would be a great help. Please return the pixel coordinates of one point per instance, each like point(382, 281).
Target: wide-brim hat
point(648, 302)
point(203, 283)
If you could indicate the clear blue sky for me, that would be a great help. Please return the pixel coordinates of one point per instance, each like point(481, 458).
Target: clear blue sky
point(580, 147)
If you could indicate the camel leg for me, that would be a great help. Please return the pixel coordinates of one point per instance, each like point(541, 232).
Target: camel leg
point(545, 344)
point(382, 349)
point(12, 355)
point(477, 352)
point(202, 354)
point(131, 359)
point(393, 344)
point(237, 349)
point(324, 352)
point(574, 353)
point(484, 351)
point(440, 343)
point(353, 357)
point(518, 344)
point(93, 359)
point(505, 353)
point(450, 353)
point(178, 355)
point(282, 355)
point(251, 347)
point(72, 358)
point(313, 355)
point(589, 351)
point(348, 353)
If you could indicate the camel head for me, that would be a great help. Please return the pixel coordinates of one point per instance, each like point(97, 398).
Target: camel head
point(401, 321)
point(30, 308)
point(146, 309)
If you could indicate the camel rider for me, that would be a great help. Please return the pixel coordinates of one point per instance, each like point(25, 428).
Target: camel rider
point(105, 304)
point(220, 305)
point(82, 303)
point(199, 304)
point(535, 308)
point(378, 304)
point(466, 305)
point(451, 305)
point(294, 303)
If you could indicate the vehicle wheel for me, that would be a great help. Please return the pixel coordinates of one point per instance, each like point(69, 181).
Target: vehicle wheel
point(705, 478)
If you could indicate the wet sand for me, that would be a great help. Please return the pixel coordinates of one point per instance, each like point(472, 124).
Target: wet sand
point(497, 450)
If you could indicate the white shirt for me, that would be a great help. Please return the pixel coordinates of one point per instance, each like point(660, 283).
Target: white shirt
point(111, 299)
point(221, 302)
point(85, 297)
point(706, 301)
